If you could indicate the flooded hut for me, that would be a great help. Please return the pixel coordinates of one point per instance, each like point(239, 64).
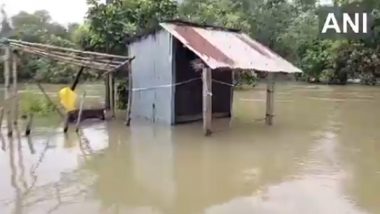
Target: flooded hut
point(184, 71)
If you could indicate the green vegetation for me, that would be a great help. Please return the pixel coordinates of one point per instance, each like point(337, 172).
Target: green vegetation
point(288, 27)
point(30, 103)
point(122, 94)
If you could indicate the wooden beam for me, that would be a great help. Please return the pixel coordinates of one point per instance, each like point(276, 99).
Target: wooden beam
point(121, 66)
point(270, 99)
point(207, 100)
point(130, 95)
point(52, 47)
point(6, 89)
point(74, 56)
point(70, 60)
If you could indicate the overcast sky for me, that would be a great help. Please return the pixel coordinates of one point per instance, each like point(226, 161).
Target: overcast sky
point(62, 11)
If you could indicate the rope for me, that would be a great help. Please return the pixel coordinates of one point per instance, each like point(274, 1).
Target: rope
point(224, 83)
point(167, 85)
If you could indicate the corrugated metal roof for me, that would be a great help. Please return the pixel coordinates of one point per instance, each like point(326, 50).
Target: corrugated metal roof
point(228, 49)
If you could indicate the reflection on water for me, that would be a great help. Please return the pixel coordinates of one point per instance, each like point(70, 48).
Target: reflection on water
point(319, 157)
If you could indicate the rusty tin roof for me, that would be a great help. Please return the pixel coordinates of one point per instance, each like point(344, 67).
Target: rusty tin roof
point(220, 48)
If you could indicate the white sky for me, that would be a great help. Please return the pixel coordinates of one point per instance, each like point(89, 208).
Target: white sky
point(62, 11)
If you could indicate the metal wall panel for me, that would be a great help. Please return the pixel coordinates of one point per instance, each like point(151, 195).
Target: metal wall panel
point(152, 68)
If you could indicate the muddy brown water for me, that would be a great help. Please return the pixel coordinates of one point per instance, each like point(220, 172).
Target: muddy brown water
point(321, 156)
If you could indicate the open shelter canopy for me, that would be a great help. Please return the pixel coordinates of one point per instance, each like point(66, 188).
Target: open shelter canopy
point(86, 59)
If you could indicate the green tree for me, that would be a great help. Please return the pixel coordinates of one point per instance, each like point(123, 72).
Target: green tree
point(110, 25)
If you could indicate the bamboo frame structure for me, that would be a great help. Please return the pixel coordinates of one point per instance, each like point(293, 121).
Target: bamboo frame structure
point(108, 63)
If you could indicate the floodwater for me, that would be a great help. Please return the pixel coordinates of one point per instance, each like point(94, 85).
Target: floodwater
point(321, 156)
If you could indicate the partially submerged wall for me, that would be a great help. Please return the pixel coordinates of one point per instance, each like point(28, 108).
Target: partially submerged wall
point(152, 67)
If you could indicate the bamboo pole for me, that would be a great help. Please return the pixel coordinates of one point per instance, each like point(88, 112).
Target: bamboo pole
point(1, 117)
point(207, 100)
point(77, 126)
point(6, 91)
point(232, 93)
point(130, 94)
point(89, 64)
point(29, 124)
point(76, 80)
point(66, 123)
point(67, 49)
point(120, 66)
point(112, 95)
point(15, 89)
point(30, 145)
point(270, 99)
point(107, 98)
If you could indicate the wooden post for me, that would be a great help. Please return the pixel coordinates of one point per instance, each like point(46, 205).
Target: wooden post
point(207, 100)
point(30, 145)
point(80, 112)
point(15, 89)
point(112, 94)
point(270, 99)
point(66, 122)
point(130, 95)
point(1, 117)
point(6, 91)
point(29, 124)
point(232, 93)
point(107, 94)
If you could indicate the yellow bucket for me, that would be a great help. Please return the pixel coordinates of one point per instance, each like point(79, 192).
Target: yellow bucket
point(68, 99)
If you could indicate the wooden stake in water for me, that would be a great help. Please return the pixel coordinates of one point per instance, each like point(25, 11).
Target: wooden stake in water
point(207, 101)
point(66, 123)
point(112, 94)
point(80, 112)
point(1, 116)
point(130, 95)
point(270, 99)
point(29, 124)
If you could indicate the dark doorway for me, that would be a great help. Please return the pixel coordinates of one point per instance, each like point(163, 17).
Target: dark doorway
point(188, 97)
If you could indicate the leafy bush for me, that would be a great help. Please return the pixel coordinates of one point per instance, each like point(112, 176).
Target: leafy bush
point(315, 59)
point(122, 94)
point(326, 76)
